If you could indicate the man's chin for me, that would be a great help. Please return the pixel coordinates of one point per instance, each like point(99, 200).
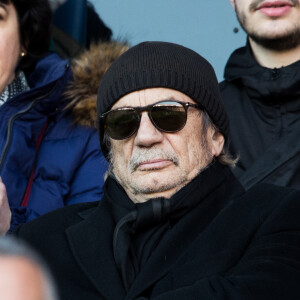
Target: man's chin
point(155, 187)
point(279, 40)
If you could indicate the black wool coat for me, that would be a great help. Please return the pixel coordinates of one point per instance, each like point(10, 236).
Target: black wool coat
point(234, 245)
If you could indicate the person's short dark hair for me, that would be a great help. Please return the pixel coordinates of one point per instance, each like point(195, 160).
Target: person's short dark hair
point(34, 18)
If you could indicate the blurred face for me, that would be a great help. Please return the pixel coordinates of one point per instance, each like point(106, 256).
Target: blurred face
point(152, 163)
point(275, 24)
point(20, 279)
point(10, 47)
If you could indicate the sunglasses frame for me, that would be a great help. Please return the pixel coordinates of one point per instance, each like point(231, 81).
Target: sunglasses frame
point(148, 109)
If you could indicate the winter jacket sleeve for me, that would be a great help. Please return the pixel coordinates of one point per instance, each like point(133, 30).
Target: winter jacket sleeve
point(88, 178)
point(84, 184)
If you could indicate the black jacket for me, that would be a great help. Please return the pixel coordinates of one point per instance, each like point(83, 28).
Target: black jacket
point(264, 109)
point(232, 245)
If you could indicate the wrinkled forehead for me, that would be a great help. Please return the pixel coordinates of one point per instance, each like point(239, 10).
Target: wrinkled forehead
point(151, 95)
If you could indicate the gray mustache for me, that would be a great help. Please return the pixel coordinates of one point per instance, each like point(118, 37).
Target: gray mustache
point(142, 155)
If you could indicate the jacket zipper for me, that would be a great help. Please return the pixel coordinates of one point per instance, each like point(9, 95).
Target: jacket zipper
point(13, 118)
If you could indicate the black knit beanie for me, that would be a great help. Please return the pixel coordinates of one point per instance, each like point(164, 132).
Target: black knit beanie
point(162, 64)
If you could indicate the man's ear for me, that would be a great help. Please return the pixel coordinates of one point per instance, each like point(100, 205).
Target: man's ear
point(232, 2)
point(217, 143)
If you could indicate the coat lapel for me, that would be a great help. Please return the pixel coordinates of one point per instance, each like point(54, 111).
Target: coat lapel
point(91, 244)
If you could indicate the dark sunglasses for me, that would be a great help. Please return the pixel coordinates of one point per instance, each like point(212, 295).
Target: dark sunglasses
point(167, 116)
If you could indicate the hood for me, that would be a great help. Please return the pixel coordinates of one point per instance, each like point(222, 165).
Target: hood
point(88, 69)
point(271, 85)
point(47, 70)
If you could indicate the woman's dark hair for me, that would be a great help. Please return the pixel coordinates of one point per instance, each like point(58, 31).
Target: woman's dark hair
point(34, 18)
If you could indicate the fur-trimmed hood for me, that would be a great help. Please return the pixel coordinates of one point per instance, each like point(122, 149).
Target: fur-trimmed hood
point(88, 69)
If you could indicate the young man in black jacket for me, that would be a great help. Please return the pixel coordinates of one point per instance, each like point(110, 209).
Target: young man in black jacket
point(261, 93)
point(174, 223)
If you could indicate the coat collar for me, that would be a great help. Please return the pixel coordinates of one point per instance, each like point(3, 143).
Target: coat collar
point(91, 243)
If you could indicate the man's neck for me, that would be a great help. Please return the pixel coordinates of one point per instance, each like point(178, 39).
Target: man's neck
point(274, 59)
point(141, 198)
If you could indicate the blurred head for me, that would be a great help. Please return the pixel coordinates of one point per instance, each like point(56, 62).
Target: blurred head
point(22, 274)
point(161, 118)
point(33, 30)
point(272, 24)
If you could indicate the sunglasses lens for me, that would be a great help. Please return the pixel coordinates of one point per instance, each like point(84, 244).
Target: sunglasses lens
point(169, 116)
point(121, 124)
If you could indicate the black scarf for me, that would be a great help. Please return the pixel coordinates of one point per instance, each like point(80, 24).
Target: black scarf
point(140, 227)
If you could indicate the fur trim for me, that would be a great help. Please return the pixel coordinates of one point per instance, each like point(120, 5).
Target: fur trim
point(88, 69)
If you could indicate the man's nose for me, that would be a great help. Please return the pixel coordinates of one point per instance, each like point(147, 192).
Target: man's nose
point(147, 134)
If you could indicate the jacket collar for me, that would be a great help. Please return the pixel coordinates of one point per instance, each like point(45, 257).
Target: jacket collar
point(268, 85)
point(47, 83)
point(48, 70)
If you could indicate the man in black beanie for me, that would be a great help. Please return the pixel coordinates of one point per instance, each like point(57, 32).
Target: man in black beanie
point(174, 223)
